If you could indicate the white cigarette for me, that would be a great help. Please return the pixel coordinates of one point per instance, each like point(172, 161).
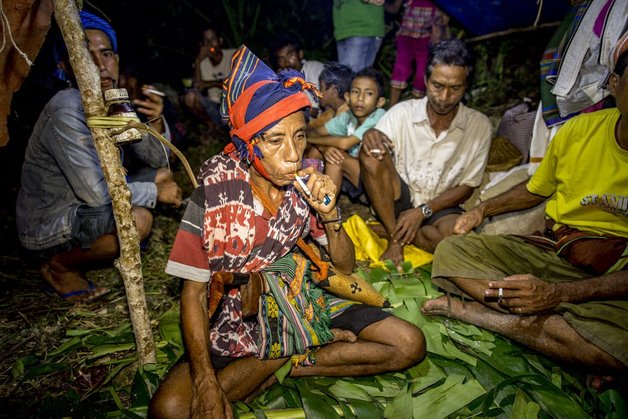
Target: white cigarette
point(153, 91)
point(376, 151)
point(303, 186)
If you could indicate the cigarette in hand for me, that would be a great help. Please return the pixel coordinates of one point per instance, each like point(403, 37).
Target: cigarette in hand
point(375, 151)
point(308, 193)
point(153, 91)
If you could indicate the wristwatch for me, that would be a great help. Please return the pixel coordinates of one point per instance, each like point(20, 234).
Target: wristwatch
point(427, 211)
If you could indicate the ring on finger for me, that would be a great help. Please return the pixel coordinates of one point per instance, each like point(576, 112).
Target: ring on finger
point(500, 295)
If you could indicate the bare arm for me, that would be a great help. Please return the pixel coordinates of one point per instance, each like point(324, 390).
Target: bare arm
point(451, 197)
point(516, 198)
point(340, 247)
point(208, 399)
point(410, 221)
point(527, 294)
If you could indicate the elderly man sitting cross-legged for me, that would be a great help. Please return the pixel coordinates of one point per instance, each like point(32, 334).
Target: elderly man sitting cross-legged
point(565, 292)
point(248, 217)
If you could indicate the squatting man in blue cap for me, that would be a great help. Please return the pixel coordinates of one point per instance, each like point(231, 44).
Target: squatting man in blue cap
point(64, 214)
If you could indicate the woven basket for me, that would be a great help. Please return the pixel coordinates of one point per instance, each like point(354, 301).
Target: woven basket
point(502, 155)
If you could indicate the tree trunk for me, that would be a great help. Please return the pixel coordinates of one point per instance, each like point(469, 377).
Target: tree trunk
point(129, 263)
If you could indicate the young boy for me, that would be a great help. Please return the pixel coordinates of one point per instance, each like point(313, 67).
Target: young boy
point(340, 139)
point(334, 82)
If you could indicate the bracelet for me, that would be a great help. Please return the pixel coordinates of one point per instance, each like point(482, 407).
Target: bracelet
point(335, 220)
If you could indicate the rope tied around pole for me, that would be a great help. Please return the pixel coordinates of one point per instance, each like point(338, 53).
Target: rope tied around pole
point(117, 125)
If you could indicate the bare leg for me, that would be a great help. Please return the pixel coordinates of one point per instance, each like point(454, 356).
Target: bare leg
point(548, 334)
point(334, 171)
point(64, 271)
point(377, 177)
point(429, 236)
point(389, 345)
point(395, 95)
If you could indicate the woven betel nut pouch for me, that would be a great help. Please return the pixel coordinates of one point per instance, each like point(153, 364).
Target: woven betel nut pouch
point(351, 287)
point(503, 155)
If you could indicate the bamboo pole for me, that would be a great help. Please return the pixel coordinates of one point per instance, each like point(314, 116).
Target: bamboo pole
point(129, 263)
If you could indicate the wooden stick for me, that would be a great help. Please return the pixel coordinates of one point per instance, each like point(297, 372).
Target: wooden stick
point(511, 31)
point(129, 263)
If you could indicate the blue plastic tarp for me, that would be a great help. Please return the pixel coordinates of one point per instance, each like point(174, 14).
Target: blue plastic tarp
point(486, 16)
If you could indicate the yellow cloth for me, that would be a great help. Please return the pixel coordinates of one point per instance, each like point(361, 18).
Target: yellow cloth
point(368, 246)
point(585, 175)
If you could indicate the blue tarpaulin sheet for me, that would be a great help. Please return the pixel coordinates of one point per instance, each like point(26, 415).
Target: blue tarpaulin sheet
point(486, 16)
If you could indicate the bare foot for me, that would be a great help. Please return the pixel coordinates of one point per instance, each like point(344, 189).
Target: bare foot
point(438, 307)
point(341, 335)
point(70, 285)
point(394, 252)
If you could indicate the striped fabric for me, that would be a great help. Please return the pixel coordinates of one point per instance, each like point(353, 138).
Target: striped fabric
point(293, 316)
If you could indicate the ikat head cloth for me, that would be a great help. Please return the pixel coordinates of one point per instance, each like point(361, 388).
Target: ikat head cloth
point(255, 99)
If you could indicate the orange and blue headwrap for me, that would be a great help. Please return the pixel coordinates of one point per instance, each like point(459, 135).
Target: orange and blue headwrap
point(256, 98)
point(89, 21)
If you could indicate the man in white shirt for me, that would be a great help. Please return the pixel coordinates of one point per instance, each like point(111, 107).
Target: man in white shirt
point(211, 66)
point(433, 151)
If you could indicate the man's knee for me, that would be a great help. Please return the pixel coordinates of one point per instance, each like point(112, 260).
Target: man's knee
point(407, 340)
point(168, 405)
point(450, 245)
point(411, 346)
point(368, 164)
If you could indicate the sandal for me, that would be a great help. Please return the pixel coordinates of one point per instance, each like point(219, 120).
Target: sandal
point(86, 295)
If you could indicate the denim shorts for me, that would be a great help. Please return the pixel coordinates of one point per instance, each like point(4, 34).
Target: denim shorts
point(92, 223)
point(358, 52)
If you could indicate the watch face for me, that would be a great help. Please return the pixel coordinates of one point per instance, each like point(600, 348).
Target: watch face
point(427, 211)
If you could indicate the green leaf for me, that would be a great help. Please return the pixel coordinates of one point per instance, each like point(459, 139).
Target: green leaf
point(45, 369)
point(615, 403)
point(22, 364)
point(67, 346)
point(170, 327)
point(379, 274)
point(524, 409)
point(80, 332)
point(390, 265)
point(315, 406)
point(554, 401)
point(347, 390)
point(102, 350)
point(447, 398)
point(283, 372)
point(401, 406)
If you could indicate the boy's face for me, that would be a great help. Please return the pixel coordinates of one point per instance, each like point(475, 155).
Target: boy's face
point(289, 57)
point(363, 98)
point(328, 94)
